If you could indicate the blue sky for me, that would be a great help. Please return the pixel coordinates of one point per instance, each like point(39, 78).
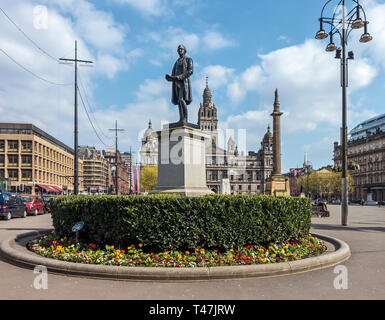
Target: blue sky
point(246, 48)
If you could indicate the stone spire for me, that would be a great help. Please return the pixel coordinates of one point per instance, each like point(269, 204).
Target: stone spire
point(305, 160)
point(150, 124)
point(276, 102)
point(276, 136)
point(207, 94)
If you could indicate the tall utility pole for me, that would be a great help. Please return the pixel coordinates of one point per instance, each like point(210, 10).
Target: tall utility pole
point(130, 167)
point(76, 166)
point(116, 155)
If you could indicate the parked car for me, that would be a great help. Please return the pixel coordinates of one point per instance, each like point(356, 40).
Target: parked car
point(34, 204)
point(358, 201)
point(11, 206)
point(381, 203)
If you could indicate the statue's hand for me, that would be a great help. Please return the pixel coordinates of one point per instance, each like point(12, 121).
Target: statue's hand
point(169, 78)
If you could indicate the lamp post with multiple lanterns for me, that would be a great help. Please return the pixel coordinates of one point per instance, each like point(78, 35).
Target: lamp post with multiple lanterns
point(342, 26)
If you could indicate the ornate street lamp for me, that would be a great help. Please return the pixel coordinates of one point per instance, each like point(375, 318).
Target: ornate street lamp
point(342, 26)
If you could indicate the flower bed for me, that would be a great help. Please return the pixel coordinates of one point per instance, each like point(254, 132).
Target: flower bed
point(51, 246)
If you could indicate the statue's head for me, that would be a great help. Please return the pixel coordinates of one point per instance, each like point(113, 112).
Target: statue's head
point(181, 49)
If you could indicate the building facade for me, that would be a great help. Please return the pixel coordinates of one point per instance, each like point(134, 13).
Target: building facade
point(33, 160)
point(123, 173)
point(149, 147)
point(96, 170)
point(366, 158)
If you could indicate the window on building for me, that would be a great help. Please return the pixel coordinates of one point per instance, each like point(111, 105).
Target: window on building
point(240, 177)
point(2, 145)
point(26, 160)
point(13, 174)
point(13, 145)
point(2, 157)
point(13, 160)
point(26, 146)
point(240, 187)
point(26, 175)
point(224, 174)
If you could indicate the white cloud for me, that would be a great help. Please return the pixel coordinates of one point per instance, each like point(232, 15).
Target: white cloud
point(308, 82)
point(148, 7)
point(215, 40)
point(24, 98)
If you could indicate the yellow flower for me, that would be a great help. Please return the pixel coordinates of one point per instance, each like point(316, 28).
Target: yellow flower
point(187, 253)
point(261, 250)
point(117, 252)
point(273, 255)
point(286, 247)
point(140, 244)
point(59, 248)
point(112, 247)
point(230, 256)
point(196, 250)
point(65, 238)
point(288, 254)
point(202, 250)
point(179, 257)
point(164, 254)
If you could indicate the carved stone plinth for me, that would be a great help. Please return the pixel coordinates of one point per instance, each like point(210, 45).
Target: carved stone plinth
point(278, 185)
point(182, 160)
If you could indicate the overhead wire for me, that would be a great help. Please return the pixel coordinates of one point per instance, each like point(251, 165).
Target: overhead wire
point(89, 119)
point(89, 106)
point(32, 73)
point(25, 35)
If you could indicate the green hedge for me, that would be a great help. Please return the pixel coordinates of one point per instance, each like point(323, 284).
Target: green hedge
point(178, 222)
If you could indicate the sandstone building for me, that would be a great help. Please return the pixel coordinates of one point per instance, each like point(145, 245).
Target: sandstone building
point(366, 158)
point(33, 160)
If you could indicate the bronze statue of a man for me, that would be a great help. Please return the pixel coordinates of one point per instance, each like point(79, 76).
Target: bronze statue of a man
point(181, 88)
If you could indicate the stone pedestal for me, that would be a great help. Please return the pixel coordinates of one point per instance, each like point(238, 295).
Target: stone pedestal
point(225, 186)
point(369, 201)
point(278, 185)
point(182, 160)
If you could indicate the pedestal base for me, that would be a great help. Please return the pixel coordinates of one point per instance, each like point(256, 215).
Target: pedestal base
point(182, 161)
point(278, 185)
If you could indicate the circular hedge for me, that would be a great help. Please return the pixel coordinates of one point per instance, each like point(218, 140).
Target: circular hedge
point(179, 222)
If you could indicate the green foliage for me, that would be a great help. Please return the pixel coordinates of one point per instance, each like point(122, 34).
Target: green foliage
point(324, 184)
point(149, 178)
point(178, 222)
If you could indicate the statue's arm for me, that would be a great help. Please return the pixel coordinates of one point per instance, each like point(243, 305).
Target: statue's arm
point(188, 72)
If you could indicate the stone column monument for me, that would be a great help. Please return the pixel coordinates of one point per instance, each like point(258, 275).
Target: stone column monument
point(277, 184)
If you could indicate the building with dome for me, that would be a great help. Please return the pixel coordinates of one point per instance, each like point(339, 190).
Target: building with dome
point(366, 159)
point(149, 148)
point(247, 173)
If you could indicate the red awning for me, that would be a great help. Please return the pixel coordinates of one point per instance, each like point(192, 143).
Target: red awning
point(43, 186)
point(58, 189)
point(49, 188)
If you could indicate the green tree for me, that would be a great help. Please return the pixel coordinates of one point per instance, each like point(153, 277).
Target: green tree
point(323, 184)
point(149, 177)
